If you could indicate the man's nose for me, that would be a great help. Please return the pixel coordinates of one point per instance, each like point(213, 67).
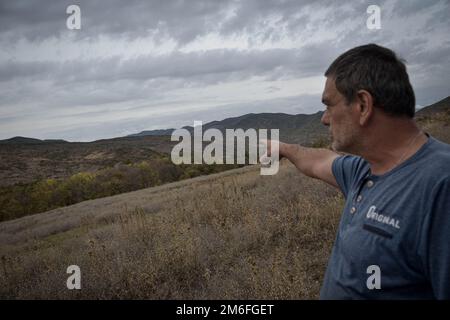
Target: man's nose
point(325, 118)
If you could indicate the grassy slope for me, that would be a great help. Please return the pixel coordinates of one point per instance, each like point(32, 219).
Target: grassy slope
point(27, 162)
point(231, 235)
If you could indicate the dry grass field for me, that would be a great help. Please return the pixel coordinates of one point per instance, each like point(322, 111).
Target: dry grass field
point(232, 235)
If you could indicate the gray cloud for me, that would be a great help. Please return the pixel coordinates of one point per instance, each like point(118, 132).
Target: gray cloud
point(38, 20)
point(223, 62)
point(147, 64)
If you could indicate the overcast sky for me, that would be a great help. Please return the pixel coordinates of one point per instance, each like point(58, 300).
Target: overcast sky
point(138, 65)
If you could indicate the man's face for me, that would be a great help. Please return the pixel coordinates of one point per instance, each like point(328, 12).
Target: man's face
point(340, 119)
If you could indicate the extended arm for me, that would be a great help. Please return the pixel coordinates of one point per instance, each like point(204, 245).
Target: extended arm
point(313, 162)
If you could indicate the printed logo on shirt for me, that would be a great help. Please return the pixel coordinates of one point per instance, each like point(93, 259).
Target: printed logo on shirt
point(372, 214)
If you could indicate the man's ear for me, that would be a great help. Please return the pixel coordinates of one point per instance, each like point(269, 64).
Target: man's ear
point(365, 106)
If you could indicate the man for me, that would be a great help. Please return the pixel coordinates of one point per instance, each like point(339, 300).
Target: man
point(394, 236)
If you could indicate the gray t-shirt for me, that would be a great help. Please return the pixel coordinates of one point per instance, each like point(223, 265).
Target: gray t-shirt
point(394, 232)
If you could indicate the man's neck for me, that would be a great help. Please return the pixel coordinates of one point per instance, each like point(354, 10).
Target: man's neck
point(389, 146)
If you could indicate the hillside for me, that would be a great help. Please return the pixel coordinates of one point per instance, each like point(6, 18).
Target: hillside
point(299, 128)
point(40, 175)
point(23, 160)
point(438, 107)
point(435, 119)
point(232, 235)
point(26, 141)
point(161, 132)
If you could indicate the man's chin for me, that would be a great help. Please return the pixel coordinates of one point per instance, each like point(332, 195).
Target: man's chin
point(334, 146)
point(337, 147)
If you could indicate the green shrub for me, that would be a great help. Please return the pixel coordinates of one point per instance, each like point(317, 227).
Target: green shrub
point(46, 194)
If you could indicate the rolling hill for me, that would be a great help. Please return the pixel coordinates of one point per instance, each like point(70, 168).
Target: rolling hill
point(442, 106)
point(299, 128)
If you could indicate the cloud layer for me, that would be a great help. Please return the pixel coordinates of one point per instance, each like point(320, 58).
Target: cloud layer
point(139, 65)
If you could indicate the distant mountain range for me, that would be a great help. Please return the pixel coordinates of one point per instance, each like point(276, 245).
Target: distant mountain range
point(161, 132)
point(299, 128)
point(30, 141)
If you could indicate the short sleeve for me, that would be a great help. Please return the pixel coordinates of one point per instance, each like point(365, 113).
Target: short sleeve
point(346, 170)
point(434, 248)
